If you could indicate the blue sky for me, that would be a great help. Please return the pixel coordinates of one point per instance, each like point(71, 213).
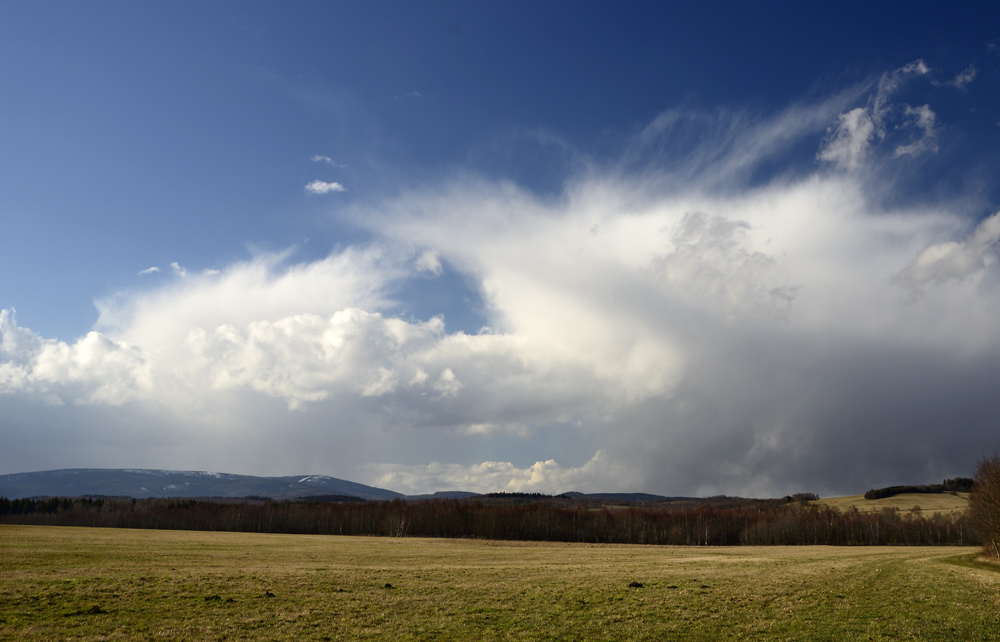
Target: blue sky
point(509, 246)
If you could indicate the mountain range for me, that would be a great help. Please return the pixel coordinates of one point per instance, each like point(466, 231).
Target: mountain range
point(143, 483)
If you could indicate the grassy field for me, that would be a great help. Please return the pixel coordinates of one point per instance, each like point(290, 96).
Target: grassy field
point(97, 584)
point(929, 503)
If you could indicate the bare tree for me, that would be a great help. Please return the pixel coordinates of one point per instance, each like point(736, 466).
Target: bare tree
point(984, 504)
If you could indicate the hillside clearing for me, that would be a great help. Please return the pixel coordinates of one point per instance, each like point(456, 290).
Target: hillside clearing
point(104, 584)
point(929, 503)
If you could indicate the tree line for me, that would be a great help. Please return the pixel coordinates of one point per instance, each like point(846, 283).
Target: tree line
point(984, 505)
point(743, 522)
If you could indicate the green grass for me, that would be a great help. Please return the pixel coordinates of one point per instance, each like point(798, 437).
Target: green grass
point(97, 584)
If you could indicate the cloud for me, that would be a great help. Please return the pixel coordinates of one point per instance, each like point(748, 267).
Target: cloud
point(447, 384)
point(17, 344)
point(318, 158)
point(700, 328)
point(266, 287)
point(965, 77)
point(150, 270)
point(849, 144)
point(708, 260)
point(952, 260)
point(178, 270)
point(321, 187)
point(93, 370)
point(962, 79)
point(923, 119)
point(429, 261)
point(598, 474)
point(307, 358)
point(719, 149)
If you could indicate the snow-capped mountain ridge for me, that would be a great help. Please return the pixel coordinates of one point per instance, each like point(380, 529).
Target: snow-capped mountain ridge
point(139, 483)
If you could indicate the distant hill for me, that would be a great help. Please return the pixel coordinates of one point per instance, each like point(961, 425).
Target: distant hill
point(140, 483)
point(623, 497)
point(956, 485)
point(445, 494)
point(929, 503)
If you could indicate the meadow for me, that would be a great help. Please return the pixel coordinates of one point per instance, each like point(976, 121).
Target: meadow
point(928, 503)
point(64, 583)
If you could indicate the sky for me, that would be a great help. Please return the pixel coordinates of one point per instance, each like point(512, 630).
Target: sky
point(725, 248)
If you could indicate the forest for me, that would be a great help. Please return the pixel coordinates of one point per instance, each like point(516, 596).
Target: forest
point(711, 522)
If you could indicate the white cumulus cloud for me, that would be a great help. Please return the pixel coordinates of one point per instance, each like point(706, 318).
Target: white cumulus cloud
point(951, 260)
point(322, 187)
point(598, 474)
point(93, 370)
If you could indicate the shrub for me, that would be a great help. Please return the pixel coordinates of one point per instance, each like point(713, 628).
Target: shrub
point(984, 504)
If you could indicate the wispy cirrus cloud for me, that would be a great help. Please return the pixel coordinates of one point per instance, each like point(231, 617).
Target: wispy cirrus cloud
point(922, 119)
point(849, 144)
point(963, 78)
point(319, 158)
